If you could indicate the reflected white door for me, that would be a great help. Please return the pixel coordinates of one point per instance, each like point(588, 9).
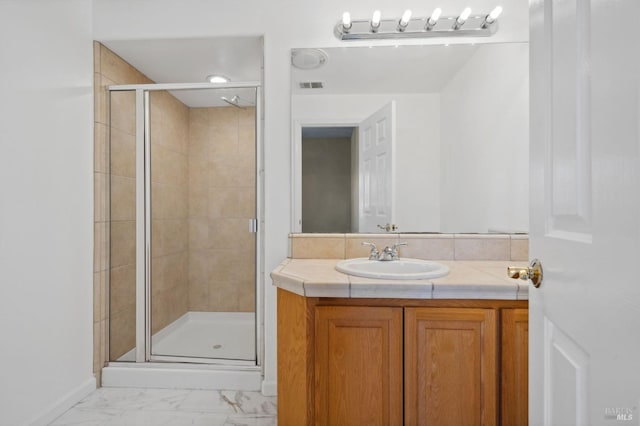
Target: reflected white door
point(585, 213)
point(375, 166)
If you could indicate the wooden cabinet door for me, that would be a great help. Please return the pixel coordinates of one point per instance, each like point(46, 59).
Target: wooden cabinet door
point(514, 366)
point(358, 366)
point(450, 366)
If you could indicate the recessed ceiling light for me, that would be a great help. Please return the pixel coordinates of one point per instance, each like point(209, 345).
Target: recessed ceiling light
point(217, 78)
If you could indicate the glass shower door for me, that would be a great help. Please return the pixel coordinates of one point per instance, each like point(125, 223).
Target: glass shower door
point(202, 292)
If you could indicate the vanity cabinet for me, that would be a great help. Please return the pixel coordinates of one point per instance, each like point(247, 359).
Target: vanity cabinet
point(401, 361)
point(450, 366)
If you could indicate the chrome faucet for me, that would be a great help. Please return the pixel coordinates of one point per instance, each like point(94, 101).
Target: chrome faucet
point(374, 254)
point(388, 253)
point(391, 253)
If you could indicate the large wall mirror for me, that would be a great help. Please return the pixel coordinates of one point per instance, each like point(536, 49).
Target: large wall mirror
point(428, 138)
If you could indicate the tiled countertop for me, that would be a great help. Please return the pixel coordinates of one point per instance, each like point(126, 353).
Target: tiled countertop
point(469, 279)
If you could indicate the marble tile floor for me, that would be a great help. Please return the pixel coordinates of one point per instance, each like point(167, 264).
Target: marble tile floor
point(170, 407)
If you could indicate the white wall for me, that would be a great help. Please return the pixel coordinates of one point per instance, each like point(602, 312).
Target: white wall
point(46, 208)
point(285, 24)
point(485, 142)
point(417, 174)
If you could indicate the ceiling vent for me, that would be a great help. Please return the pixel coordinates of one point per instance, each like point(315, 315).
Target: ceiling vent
point(311, 85)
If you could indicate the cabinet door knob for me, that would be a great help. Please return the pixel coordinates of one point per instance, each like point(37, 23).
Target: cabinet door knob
point(533, 272)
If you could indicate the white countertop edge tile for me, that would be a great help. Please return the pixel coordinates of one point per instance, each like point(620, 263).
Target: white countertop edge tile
point(326, 290)
point(473, 294)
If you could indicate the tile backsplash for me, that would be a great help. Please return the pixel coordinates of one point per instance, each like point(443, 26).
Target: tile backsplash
point(512, 247)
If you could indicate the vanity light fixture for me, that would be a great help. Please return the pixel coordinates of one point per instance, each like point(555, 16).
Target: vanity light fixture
point(375, 21)
point(435, 25)
point(462, 18)
point(433, 19)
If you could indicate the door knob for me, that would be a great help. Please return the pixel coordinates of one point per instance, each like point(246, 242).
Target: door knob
point(533, 272)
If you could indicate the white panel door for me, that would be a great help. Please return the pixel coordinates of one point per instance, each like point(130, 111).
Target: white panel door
point(376, 148)
point(585, 212)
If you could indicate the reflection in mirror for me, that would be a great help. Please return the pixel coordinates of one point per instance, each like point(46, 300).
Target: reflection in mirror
point(429, 138)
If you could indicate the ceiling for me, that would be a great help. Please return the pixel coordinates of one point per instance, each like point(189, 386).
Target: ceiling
point(384, 69)
point(192, 60)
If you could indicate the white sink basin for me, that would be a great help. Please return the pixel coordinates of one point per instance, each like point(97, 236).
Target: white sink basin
point(403, 269)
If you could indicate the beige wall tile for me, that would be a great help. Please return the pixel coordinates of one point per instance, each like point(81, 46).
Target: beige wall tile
point(99, 100)
point(199, 298)
point(100, 154)
point(427, 247)
point(482, 248)
point(97, 346)
point(114, 67)
point(224, 142)
point(231, 176)
point(225, 233)
point(123, 154)
point(232, 265)
point(520, 249)
point(247, 141)
point(100, 246)
point(199, 266)
point(123, 243)
point(199, 234)
point(223, 116)
point(123, 198)
point(247, 296)
point(96, 56)
point(168, 166)
point(122, 333)
point(198, 202)
point(123, 288)
point(168, 236)
point(354, 247)
point(223, 296)
point(168, 201)
point(123, 111)
point(100, 206)
point(247, 116)
point(318, 248)
point(232, 202)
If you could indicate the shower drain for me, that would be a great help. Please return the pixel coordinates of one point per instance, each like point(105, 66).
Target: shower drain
point(217, 346)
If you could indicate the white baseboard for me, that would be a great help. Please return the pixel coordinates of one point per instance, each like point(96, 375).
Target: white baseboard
point(269, 388)
point(67, 401)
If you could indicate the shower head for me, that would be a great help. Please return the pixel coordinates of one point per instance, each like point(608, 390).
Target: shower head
point(236, 101)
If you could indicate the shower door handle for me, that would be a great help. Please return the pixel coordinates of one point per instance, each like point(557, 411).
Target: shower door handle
point(253, 226)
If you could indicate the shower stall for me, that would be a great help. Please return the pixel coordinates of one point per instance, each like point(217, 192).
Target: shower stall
point(184, 225)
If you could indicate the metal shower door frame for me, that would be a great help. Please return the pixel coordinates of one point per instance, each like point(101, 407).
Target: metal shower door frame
point(143, 223)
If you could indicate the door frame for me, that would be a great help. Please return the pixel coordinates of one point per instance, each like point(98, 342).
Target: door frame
point(143, 221)
point(296, 161)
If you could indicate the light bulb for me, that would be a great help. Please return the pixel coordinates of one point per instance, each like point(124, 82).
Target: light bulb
point(495, 13)
point(406, 17)
point(462, 18)
point(433, 19)
point(346, 21)
point(465, 14)
point(375, 21)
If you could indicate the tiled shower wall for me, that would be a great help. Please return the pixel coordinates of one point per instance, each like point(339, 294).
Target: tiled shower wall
point(110, 69)
point(169, 143)
point(221, 202)
point(114, 280)
point(203, 194)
